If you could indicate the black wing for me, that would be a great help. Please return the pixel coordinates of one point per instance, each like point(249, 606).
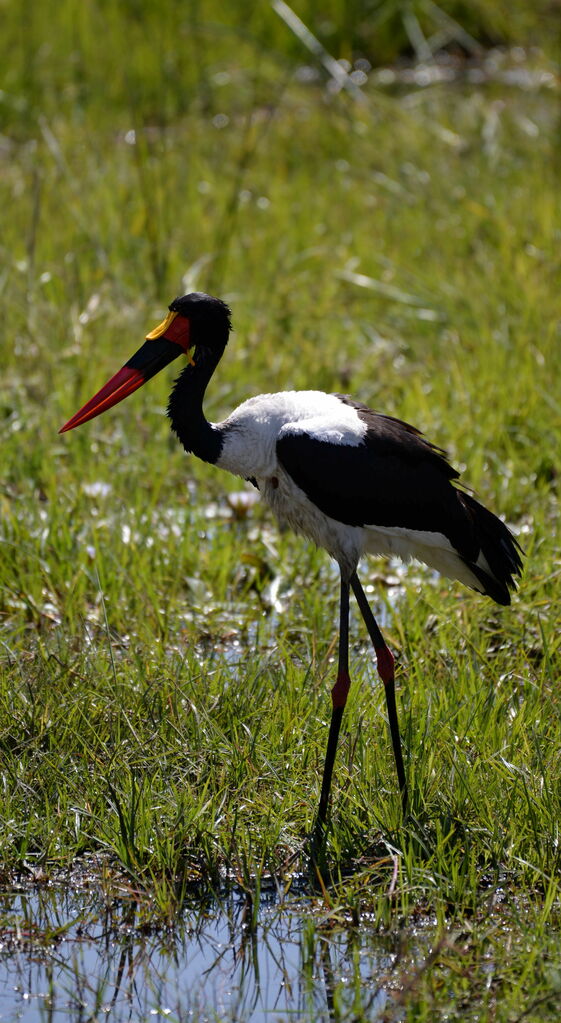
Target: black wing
point(394, 477)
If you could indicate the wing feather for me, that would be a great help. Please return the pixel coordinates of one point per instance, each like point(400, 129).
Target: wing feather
point(393, 477)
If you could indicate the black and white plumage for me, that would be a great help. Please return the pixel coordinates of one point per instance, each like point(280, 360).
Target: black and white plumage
point(352, 480)
point(358, 482)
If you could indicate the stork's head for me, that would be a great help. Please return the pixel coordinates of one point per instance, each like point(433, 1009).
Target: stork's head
point(209, 318)
point(195, 319)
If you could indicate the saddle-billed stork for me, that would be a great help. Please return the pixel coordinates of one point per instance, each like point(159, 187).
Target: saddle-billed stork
point(352, 480)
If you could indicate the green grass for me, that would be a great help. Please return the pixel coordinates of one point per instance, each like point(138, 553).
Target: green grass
point(155, 704)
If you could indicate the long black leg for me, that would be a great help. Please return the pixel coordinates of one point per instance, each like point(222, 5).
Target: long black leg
point(339, 699)
point(385, 663)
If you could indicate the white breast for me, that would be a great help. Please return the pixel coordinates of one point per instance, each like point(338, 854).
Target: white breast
point(252, 430)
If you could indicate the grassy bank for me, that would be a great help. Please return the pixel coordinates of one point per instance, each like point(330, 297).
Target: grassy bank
point(166, 657)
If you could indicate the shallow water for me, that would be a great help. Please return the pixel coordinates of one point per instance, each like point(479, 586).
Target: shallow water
point(67, 955)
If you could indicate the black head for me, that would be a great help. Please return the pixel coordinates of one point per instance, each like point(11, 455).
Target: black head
point(209, 318)
point(195, 322)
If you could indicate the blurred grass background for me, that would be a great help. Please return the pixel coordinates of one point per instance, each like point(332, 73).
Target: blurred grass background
point(73, 58)
point(393, 233)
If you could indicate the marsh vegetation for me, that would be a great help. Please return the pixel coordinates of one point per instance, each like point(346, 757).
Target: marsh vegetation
point(165, 655)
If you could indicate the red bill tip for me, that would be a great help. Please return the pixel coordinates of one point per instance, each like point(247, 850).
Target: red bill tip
point(120, 386)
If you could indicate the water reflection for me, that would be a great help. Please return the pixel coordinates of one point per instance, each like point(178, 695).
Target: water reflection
point(67, 955)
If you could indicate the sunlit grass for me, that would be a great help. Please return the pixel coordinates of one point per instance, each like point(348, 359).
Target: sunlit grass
point(165, 660)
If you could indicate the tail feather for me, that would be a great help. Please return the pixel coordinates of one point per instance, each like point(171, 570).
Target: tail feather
point(499, 560)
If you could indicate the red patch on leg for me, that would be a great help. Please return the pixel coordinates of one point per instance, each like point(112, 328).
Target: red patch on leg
point(385, 662)
point(340, 689)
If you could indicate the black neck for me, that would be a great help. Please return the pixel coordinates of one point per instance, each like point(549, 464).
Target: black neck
point(185, 407)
